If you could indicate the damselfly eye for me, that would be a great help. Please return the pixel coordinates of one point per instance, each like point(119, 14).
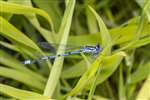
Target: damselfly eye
point(97, 46)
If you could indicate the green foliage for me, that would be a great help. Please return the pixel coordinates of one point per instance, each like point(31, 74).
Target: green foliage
point(57, 66)
point(120, 72)
point(20, 94)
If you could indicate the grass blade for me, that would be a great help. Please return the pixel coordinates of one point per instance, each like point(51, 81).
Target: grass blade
point(144, 92)
point(21, 94)
point(22, 77)
point(105, 37)
point(20, 9)
point(104, 74)
point(56, 69)
point(121, 87)
point(9, 61)
point(142, 72)
point(8, 30)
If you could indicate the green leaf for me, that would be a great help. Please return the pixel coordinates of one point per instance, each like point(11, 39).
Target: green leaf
point(25, 44)
point(9, 61)
point(97, 97)
point(142, 72)
point(105, 36)
point(58, 63)
point(142, 20)
point(22, 77)
point(140, 43)
point(125, 34)
point(48, 35)
point(107, 66)
point(21, 94)
point(34, 21)
point(144, 92)
point(121, 87)
point(74, 71)
point(141, 4)
point(52, 8)
point(10, 46)
point(91, 21)
point(140, 26)
point(20, 9)
point(7, 30)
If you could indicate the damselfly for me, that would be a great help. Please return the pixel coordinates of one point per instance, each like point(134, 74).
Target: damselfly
point(86, 49)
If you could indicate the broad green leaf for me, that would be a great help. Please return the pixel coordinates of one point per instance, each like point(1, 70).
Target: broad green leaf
point(91, 21)
point(20, 9)
point(30, 30)
point(107, 66)
point(58, 63)
point(93, 84)
point(9, 61)
point(25, 44)
point(48, 35)
point(105, 36)
point(140, 43)
point(7, 30)
point(52, 8)
point(22, 77)
point(141, 3)
point(140, 26)
point(142, 72)
point(10, 46)
point(126, 34)
point(74, 71)
point(144, 93)
point(142, 20)
point(97, 97)
point(111, 83)
point(21, 94)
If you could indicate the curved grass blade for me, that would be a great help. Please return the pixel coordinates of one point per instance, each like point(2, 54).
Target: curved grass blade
point(48, 35)
point(144, 92)
point(143, 19)
point(21, 77)
point(9, 61)
point(9, 46)
point(7, 30)
point(127, 34)
point(21, 94)
point(24, 43)
point(91, 22)
point(74, 71)
point(93, 84)
point(108, 63)
point(142, 72)
point(141, 4)
point(121, 86)
point(140, 26)
point(52, 8)
point(140, 43)
point(20, 9)
point(105, 36)
point(58, 63)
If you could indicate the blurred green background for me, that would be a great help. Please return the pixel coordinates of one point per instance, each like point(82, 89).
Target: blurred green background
point(119, 72)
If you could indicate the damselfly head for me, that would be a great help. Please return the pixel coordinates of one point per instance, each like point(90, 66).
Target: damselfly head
point(98, 48)
point(92, 49)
